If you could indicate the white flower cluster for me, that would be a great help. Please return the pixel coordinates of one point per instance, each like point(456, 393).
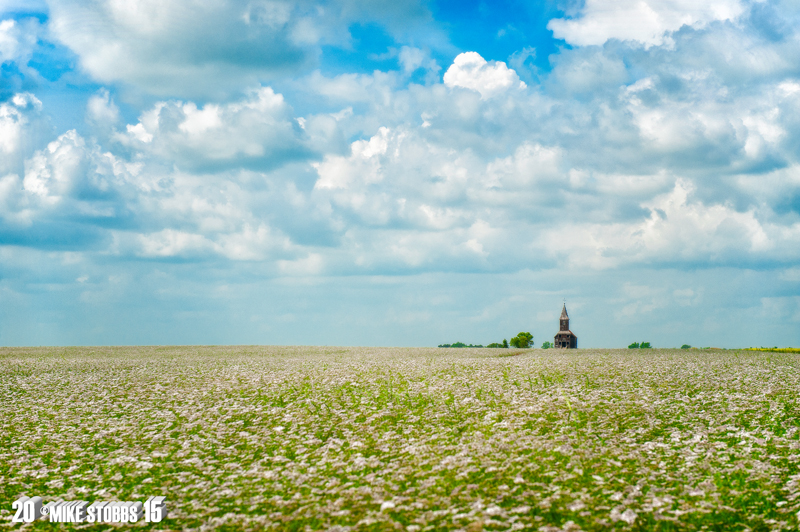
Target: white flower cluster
point(254, 438)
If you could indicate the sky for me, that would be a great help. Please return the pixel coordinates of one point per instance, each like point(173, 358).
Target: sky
point(399, 173)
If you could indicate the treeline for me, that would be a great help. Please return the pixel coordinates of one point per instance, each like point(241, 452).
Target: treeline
point(522, 340)
point(461, 344)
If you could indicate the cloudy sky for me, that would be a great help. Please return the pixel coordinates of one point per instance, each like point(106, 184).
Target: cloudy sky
point(399, 172)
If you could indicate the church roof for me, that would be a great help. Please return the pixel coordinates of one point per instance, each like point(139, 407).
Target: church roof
point(564, 315)
point(566, 333)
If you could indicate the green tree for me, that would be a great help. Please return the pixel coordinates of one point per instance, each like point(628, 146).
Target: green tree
point(522, 340)
point(505, 343)
point(686, 346)
point(547, 345)
point(645, 345)
point(634, 345)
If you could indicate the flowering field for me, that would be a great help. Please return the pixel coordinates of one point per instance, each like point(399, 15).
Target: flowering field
point(309, 438)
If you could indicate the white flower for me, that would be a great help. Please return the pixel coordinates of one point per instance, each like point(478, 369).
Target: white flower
point(629, 516)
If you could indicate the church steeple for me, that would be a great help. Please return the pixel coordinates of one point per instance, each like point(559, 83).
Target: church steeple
point(565, 338)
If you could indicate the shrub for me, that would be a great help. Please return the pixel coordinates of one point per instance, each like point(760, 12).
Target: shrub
point(634, 345)
point(686, 346)
point(645, 345)
point(547, 345)
point(495, 344)
point(522, 340)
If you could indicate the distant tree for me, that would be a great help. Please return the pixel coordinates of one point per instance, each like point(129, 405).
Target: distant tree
point(644, 345)
point(460, 344)
point(505, 343)
point(634, 345)
point(495, 344)
point(547, 345)
point(522, 340)
point(686, 346)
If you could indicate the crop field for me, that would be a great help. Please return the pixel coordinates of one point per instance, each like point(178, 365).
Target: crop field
point(311, 438)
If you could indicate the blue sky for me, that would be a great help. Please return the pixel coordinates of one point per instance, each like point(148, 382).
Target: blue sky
point(401, 173)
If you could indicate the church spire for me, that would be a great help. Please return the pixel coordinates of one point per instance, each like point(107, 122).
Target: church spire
point(565, 338)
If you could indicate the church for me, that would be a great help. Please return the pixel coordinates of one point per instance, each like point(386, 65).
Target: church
point(565, 338)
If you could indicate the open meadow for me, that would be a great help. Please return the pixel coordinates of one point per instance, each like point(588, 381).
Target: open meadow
point(319, 438)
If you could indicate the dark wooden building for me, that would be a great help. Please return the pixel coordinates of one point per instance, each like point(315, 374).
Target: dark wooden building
point(565, 338)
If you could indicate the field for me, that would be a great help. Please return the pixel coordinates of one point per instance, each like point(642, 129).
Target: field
point(305, 438)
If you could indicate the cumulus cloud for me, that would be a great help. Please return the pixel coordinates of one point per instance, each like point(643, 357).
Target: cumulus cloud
point(644, 21)
point(617, 158)
point(257, 131)
point(471, 71)
point(72, 177)
point(73, 191)
point(184, 49)
point(21, 128)
point(679, 229)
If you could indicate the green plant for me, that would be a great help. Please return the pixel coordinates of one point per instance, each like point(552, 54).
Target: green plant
point(634, 345)
point(505, 343)
point(299, 436)
point(522, 340)
point(645, 345)
point(686, 346)
point(547, 345)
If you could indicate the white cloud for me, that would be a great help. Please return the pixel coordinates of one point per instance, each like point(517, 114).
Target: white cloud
point(176, 48)
point(101, 109)
point(257, 130)
point(77, 178)
point(17, 40)
point(21, 126)
point(187, 49)
point(337, 172)
point(678, 229)
point(588, 71)
point(471, 71)
point(412, 59)
point(313, 264)
point(12, 121)
point(649, 164)
point(171, 243)
point(644, 21)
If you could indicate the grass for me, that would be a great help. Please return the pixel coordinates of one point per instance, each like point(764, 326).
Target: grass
point(304, 438)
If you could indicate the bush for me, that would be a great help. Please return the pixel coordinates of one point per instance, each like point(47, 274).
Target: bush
point(547, 345)
point(522, 340)
point(505, 343)
point(495, 344)
point(634, 345)
point(645, 345)
point(686, 346)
